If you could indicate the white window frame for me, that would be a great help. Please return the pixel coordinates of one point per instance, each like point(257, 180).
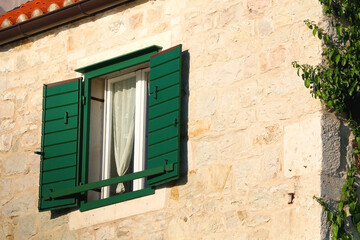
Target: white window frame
point(139, 132)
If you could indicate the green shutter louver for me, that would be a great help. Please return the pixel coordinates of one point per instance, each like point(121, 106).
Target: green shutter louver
point(164, 114)
point(60, 142)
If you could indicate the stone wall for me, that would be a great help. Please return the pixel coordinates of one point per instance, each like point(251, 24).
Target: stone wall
point(254, 132)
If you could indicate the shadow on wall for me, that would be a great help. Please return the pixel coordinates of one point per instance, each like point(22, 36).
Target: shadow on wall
point(336, 156)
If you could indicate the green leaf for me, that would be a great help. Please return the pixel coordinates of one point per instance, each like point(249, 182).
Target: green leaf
point(356, 218)
point(340, 206)
point(358, 227)
point(343, 62)
point(334, 230)
point(330, 216)
point(307, 83)
point(352, 88)
point(337, 58)
point(352, 207)
point(315, 31)
point(338, 220)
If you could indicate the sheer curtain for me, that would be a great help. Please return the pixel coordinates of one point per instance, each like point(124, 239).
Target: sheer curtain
point(123, 118)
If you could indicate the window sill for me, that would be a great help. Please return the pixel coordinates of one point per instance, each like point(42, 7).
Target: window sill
point(78, 220)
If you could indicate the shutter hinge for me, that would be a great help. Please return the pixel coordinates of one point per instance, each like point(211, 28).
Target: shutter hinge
point(39, 153)
point(83, 100)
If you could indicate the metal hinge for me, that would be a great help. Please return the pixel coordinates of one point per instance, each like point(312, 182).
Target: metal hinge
point(39, 153)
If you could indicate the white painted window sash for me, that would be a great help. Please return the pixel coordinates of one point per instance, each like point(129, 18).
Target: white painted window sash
point(140, 128)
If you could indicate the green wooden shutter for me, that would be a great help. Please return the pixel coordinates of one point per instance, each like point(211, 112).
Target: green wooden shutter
point(59, 142)
point(164, 114)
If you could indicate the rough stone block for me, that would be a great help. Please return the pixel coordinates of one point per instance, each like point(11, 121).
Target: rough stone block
point(268, 198)
point(14, 164)
point(206, 152)
point(26, 227)
point(219, 175)
point(19, 206)
point(6, 109)
point(105, 233)
point(46, 223)
point(248, 173)
point(6, 230)
point(265, 26)
point(2, 84)
point(5, 142)
point(24, 183)
point(5, 189)
point(258, 5)
point(303, 147)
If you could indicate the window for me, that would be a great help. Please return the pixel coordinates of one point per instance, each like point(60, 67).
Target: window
point(114, 135)
point(117, 130)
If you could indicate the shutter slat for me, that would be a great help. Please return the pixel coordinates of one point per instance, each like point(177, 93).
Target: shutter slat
point(165, 69)
point(164, 108)
point(59, 162)
point(60, 137)
point(58, 113)
point(164, 114)
point(62, 88)
point(62, 100)
point(59, 125)
point(59, 142)
point(165, 94)
point(59, 175)
point(163, 135)
point(60, 149)
point(162, 122)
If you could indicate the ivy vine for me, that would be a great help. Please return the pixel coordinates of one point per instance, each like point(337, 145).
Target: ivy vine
point(336, 81)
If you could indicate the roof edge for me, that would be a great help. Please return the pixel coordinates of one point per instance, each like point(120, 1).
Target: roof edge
point(56, 18)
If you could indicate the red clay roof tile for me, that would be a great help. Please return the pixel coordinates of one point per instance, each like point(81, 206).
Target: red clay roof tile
point(28, 9)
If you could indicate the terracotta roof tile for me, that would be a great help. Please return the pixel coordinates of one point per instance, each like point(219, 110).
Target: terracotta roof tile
point(32, 9)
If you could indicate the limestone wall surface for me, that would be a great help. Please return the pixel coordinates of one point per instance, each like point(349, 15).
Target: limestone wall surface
point(254, 134)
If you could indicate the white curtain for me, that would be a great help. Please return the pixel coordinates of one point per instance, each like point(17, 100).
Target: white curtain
point(123, 125)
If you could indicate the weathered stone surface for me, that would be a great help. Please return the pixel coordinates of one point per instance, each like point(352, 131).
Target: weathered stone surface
point(219, 175)
point(206, 152)
point(26, 227)
point(248, 173)
point(268, 198)
point(63, 234)
point(86, 236)
point(5, 190)
point(257, 220)
point(6, 124)
point(330, 135)
point(24, 183)
point(2, 84)
point(14, 164)
point(303, 147)
point(265, 26)
point(6, 231)
point(258, 5)
point(19, 206)
point(272, 163)
point(247, 119)
point(105, 233)
point(5, 143)
point(176, 230)
point(46, 223)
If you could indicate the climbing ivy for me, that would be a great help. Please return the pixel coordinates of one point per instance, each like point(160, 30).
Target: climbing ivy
point(336, 81)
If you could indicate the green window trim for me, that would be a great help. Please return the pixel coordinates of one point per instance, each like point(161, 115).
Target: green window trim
point(163, 154)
